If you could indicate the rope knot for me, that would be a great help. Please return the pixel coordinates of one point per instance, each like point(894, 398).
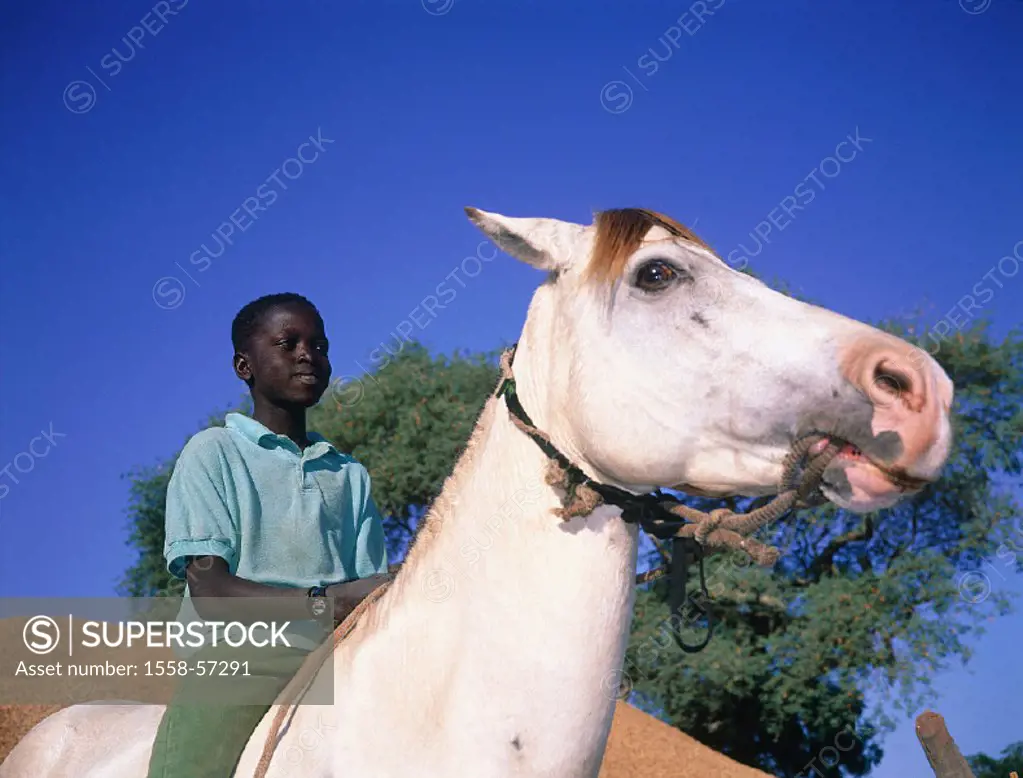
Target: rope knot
point(711, 523)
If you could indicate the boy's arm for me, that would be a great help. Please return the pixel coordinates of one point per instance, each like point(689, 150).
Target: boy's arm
point(209, 576)
point(370, 544)
point(198, 522)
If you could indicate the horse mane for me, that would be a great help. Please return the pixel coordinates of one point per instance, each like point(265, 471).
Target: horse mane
point(620, 231)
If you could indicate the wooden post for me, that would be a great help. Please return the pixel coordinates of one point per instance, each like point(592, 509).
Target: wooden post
point(944, 756)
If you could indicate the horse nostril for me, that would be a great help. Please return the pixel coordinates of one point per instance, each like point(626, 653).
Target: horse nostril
point(898, 384)
point(892, 381)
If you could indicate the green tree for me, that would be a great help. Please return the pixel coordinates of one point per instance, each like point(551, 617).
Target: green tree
point(857, 604)
point(1011, 761)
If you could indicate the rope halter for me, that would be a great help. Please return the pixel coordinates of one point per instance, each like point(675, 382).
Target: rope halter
point(665, 516)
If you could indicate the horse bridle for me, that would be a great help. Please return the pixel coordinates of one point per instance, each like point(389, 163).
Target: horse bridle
point(666, 517)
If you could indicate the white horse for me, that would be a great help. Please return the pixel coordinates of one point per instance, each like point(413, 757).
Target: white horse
point(649, 363)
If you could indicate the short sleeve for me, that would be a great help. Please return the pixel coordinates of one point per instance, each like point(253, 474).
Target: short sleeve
point(370, 549)
point(198, 522)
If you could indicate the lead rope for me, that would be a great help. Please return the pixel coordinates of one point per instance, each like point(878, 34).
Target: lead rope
point(662, 515)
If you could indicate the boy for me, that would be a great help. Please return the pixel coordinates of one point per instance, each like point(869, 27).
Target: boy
point(261, 508)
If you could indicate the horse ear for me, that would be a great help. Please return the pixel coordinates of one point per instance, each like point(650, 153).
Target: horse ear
point(546, 244)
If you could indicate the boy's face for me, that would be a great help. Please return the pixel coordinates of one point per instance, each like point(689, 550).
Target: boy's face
point(286, 357)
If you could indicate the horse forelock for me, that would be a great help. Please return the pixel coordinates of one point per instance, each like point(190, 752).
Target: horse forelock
point(620, 231)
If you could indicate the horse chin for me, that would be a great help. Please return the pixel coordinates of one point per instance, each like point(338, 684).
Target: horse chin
point(859, 486)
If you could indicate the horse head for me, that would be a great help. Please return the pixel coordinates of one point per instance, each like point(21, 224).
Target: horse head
point(653, 364)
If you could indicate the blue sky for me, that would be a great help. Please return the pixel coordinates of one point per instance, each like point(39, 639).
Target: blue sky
point(116, 333)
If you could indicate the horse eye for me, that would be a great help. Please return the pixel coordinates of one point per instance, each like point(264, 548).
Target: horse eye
point(657, 275)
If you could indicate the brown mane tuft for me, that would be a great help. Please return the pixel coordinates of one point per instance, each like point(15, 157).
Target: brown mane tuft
point(620, 232)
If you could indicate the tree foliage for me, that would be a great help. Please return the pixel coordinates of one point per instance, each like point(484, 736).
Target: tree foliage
point(858, 606)
point(1011, 761)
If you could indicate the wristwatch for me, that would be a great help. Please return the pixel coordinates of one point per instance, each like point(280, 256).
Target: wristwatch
point(317, 605)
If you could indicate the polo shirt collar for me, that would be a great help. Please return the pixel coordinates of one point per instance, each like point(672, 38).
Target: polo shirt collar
point(264, 437)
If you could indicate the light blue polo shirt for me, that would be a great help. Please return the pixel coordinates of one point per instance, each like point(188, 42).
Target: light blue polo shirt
point(278, 515)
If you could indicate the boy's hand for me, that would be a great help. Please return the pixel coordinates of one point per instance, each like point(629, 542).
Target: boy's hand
point(348, 595)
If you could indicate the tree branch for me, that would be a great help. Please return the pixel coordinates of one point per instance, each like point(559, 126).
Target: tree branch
point(735, 597)
point(825, 561)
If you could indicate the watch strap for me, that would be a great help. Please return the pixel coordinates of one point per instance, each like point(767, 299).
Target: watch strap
point(317, 601)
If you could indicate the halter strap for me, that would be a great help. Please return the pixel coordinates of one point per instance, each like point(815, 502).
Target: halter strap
point(666, 516)
point(646, 510)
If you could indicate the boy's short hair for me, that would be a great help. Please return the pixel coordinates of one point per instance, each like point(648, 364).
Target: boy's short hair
point(248, 319)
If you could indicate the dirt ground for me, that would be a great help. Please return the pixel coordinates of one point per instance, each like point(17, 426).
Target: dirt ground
point(640, 746)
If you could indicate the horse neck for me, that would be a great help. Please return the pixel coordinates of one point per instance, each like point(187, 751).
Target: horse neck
point(535, 609)
point(495, 519)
